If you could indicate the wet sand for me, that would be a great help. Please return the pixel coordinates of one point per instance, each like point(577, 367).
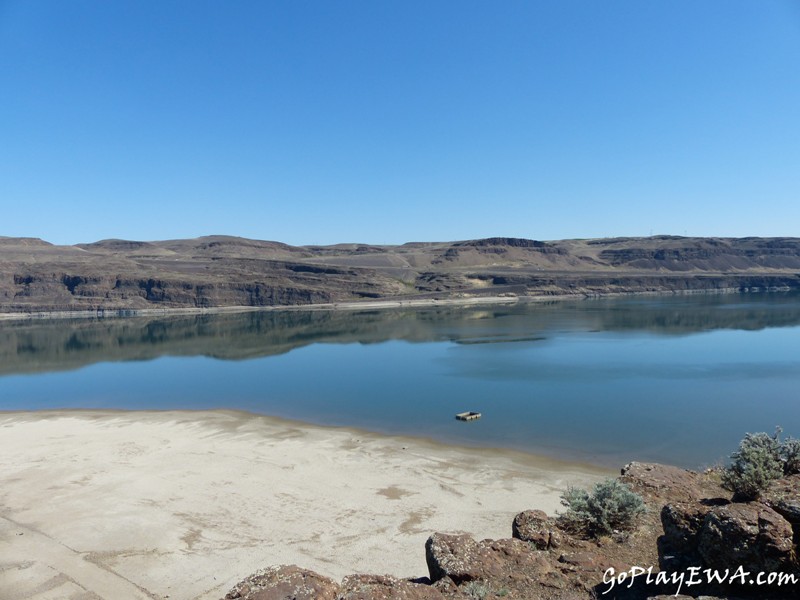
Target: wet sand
point(117, 505)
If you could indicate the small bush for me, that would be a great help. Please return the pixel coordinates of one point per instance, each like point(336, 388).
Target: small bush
point(480, 590)
point(611, 506)
point(790, 453)
point(757, 462)
point(477, 590)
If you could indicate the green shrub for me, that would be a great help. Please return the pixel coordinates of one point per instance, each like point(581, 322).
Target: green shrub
point(757, 462)
point(480, 590)
point(790, 453)
point(477, 590)
point(611, 506)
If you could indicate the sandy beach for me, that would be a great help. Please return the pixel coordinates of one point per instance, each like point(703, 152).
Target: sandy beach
point(182, 505)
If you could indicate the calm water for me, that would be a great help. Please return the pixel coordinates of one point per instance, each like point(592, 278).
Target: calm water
point(677, 379)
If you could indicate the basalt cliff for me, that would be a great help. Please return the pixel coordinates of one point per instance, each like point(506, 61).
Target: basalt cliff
point(221, 271)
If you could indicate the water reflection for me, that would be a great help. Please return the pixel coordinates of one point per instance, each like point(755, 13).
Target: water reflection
point(675, 380)
point(53, 345)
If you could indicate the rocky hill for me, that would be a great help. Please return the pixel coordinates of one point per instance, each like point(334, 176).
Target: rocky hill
point(691, 526)
point(220, 271)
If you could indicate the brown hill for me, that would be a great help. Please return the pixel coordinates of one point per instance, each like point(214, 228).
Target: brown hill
point(219, 271)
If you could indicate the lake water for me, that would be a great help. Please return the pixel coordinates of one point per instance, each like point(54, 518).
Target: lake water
point(669, 379)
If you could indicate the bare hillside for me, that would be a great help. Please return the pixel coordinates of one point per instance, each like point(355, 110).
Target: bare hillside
point(218, 271)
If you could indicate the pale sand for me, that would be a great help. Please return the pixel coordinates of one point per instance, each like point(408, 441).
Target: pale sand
point(119, 505)
point(389, 303)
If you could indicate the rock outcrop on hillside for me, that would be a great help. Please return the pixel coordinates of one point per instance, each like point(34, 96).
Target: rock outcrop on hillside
point(218, 271)
point(690, 526)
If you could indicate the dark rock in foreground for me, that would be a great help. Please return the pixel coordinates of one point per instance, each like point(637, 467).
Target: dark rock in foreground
point(536, 527)
point(751, 535)
point(285, 583)
point(377, 587)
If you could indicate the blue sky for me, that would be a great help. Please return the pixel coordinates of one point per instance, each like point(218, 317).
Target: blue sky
point(386, 122)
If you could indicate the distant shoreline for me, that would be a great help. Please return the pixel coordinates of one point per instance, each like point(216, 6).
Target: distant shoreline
point(384, 304)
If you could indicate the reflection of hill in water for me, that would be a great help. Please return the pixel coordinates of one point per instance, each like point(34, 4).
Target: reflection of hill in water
point(38, 346)
point(694, 314)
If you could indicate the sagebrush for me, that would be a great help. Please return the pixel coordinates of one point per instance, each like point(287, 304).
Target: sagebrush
point(478, 590)
point(790, 453)
point(760, 459)
point(611, 506)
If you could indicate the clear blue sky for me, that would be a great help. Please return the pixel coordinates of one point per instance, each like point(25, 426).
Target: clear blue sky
point(394, 121)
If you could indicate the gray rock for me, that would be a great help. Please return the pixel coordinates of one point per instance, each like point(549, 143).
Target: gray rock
point(748, 534)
